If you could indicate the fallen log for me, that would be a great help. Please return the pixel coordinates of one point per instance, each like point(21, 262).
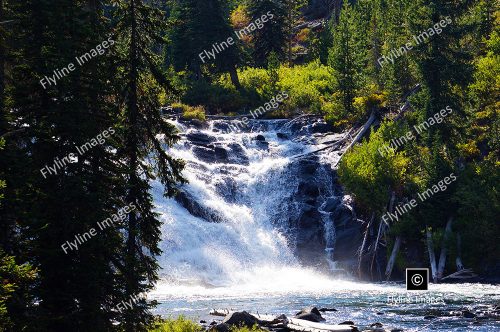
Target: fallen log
point(295, 324)
point(360, 135)
point(462, 274)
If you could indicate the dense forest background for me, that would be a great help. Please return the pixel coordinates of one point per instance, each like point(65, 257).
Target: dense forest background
point(144, 56)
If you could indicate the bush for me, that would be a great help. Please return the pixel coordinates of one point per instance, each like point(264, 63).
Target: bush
point(181, 324)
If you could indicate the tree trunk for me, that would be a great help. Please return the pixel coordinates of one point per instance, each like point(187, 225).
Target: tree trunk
point(362, 248)
point(442, 257)
point(432, 258)
point(458, 261)
point(234, 77)
point(392, 259)
point(361, 133)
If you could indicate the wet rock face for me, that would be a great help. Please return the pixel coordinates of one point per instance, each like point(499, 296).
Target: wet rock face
point(314, 214)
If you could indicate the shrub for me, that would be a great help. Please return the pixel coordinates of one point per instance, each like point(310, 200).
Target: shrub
point(181, 324)
point(190, 112)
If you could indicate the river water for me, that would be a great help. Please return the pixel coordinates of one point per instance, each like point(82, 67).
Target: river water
point(246, 260)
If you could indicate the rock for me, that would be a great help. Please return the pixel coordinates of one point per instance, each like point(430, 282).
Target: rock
point(347, 322)
point(308, 310)
point(320, 127)
point(221, 154)
point(380, 313)
point(260, 138)
point(331, 204)
point(198, 138)
point(242, 318)
point(396, 330)
point(282, 136)
point(222, 327)
point(308, 189)
point(311, 314)
point(468, 314)
point(206, 154)
point(263, 145)
point(190, 203)
point(237, 154)
point(203, 321)
point(198, 124)
point(430, 317)
point(377, 324)
point(327, 309)
point(310, 317)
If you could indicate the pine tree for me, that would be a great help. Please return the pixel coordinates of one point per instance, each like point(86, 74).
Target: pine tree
point(347, 57)
point(139, 73)
point(273, 35)
point(293, 13)
point(197, 26)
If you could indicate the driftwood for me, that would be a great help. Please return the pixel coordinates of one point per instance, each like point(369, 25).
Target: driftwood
point(461, 275)
point(432, 258)
point(331, 146)
point(442, 257)
point(363, 244)
point(392, 259)
point(307, 326)
point(458, 260)
point(360, 135)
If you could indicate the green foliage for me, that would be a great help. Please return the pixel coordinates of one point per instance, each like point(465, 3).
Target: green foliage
point(15, 283)
point(272, 37)
point(347, 57)
point(189, 112)
point(307, 86)
point(182, 324)
point(370, 175)
point(273, 65)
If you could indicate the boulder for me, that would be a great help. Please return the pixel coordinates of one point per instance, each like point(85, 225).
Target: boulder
point(221, 154)
point(260, 138)
point(206, 154)
point(237, 154)
point(311, 314)
point(199, 138)
point(282, 136)
point(222, 327)
point(195, 208)
point(242, 318)
point(468, 314)
point(347, 322)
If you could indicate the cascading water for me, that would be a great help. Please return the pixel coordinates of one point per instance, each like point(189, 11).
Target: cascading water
point(245, 191)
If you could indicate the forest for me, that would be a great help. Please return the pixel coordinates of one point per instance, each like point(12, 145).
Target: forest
point(87, 88)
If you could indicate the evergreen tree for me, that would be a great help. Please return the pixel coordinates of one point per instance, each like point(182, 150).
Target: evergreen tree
point(139, 72)
point(273, 35)
point(197, 26)
point(293, 13)
point(347, 57)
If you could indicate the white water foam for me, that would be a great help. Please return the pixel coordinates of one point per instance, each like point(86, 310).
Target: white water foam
point(247, 252)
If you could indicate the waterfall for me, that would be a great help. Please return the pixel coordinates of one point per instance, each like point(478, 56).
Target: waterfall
point(241, 216)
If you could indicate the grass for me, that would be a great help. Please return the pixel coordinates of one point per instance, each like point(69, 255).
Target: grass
point(182, 324)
